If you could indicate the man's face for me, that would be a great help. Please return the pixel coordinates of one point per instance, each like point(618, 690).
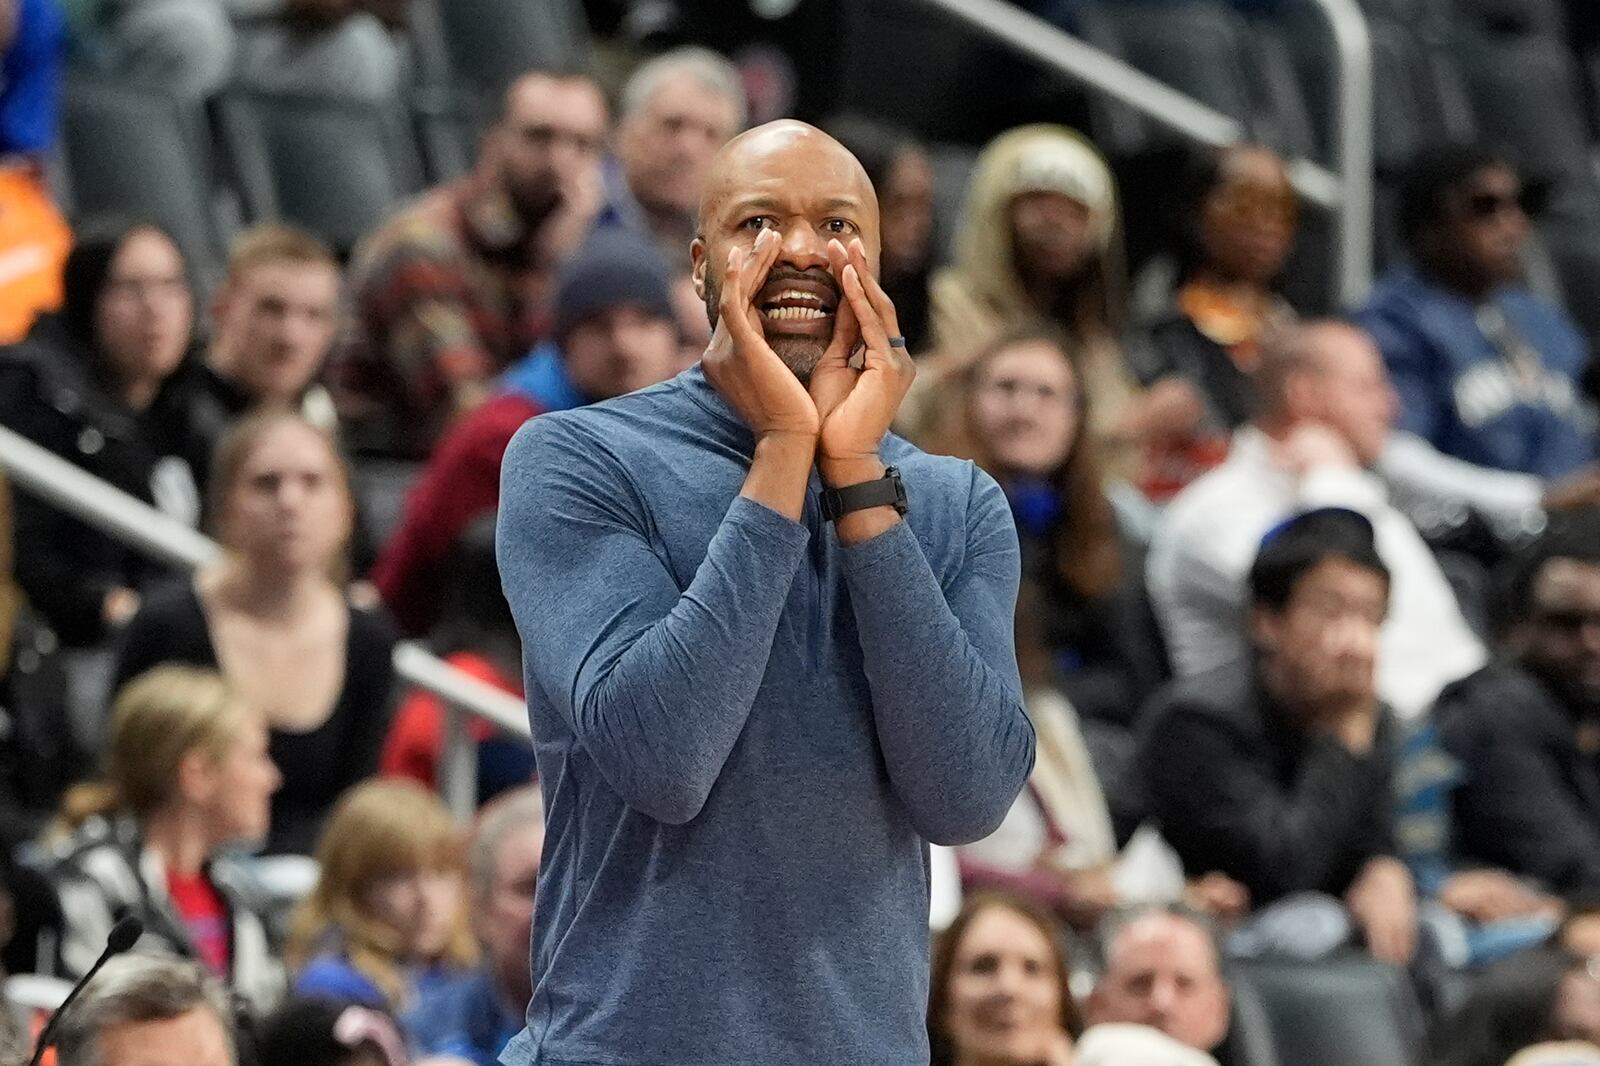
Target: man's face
point(552, 131)
point(666, 146)
point(1051, 235)
point(1354, 394)
point(620, 349)
point(275, 325)
point(194, 1038)
point(1163, 973)
point(802, 184)
point(1483, 224)
point(503, 916)
point(1323, 644)
point(1560, 639)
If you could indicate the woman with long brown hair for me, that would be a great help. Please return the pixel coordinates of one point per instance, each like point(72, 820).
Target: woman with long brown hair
point(1000, 990)
point(274, 617)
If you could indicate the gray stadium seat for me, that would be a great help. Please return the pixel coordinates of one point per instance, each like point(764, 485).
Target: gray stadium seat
point(137, 152)
point(1209, 51)
point(487, 43)
point(1344, 1011)
point(335, 167)
point(1543, 18)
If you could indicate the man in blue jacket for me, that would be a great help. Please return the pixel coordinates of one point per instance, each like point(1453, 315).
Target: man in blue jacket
point(1486, 371)
point(768, 655)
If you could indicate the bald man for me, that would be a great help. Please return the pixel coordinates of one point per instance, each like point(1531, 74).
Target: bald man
point(768, 658)
point(1163, 970)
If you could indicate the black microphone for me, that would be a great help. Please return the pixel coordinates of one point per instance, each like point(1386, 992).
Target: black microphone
point(123, 936)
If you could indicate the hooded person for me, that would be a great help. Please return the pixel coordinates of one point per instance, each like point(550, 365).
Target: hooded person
point(614, 333)
point(1039, 240)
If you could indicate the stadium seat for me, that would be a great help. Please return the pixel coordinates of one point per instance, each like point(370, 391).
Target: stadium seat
point(487, 43)
point(1344, 1011)
point(1543, 18)
point(335, 167)
point(143, 154)
point(1209, 51)
point(1526, 92)
point(1250, 1041)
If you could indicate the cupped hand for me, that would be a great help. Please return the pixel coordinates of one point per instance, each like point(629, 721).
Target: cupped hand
point(739, 362)
point(860, 416)
point(1383, 902)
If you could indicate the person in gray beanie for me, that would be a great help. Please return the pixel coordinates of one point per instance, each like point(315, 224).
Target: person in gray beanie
point(614, 333)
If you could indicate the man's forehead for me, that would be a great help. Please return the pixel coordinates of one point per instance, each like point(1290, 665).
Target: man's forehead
point(1569, 579)
point(786, 160)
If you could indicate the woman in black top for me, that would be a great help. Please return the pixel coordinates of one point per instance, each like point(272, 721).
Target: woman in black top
point(98, 384)
point(273, 615)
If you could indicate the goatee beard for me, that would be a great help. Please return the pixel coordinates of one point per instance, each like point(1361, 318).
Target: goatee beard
point(799, 354)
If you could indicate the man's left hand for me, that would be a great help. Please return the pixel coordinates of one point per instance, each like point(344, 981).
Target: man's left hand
point(857, 406)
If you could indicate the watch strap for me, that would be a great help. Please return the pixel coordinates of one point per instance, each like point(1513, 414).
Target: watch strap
point(887, 491)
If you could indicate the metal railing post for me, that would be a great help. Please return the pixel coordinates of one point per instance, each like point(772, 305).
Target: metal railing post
point(1352, 147)
point(458, 765)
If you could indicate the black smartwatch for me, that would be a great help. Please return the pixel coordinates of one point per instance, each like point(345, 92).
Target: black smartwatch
point(887, 491)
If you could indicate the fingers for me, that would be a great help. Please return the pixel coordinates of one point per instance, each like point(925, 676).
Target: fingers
point(733, 308)
point(868, 321)
point(881, 304)
point(759, 262)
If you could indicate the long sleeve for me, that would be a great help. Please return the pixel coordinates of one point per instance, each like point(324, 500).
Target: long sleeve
point(941, 666)
point(1220, 808)
point(1196, 601)
point(1420, 472)
point(655, 682)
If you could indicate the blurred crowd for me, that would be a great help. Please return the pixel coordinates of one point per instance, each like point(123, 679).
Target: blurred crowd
point(1309, 629)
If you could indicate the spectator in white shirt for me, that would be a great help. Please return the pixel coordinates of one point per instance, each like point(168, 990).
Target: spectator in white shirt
point(1327, 411)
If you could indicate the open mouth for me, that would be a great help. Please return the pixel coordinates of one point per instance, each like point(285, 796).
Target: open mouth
point(797, 301)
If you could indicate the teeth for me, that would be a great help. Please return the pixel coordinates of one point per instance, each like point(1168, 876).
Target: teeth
point(785, 314)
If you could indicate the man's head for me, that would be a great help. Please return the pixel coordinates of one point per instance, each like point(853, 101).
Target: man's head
point(1319, 593)
point(1162, 970)
point(1554, 599)
point(552, 128)
point(145, 1011)
point(505, 855)
point(1462, 218)
point(677, 110)
point(614, 316)
point(1330, 373)
point(794, 179)
point(276, 313)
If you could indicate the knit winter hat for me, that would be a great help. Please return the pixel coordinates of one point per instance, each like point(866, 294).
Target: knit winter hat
point(614, 266)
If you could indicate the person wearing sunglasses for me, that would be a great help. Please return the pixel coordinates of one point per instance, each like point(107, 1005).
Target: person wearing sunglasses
point(1486, 371)
point(1526, 729)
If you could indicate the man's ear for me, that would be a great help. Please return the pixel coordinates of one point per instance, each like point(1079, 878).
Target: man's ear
point(697, 271)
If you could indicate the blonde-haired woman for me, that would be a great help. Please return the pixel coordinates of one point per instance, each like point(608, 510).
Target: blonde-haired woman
point(387, 918)
point(274, 617)
point(185, 775)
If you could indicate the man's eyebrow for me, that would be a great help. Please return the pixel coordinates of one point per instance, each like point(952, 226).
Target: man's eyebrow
point(755, 203)
point(841, 203)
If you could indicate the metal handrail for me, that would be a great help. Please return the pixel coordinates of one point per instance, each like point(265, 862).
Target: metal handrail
point(1348, 193)
point(88, 498)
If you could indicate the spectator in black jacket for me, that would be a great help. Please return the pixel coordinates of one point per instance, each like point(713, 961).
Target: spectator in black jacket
point(1277, 770)
point(97, 385)
point(1527, 729)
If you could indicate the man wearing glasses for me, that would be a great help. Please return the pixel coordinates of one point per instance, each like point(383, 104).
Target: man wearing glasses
point(1486, 371)
point(1527, 730)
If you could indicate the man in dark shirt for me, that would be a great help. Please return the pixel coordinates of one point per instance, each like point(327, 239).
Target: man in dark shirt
point(1527, 729)
point(1277, 770)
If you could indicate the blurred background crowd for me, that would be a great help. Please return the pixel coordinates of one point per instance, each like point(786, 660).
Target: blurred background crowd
point(1309, 628)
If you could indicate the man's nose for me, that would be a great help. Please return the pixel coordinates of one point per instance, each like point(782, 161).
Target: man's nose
point(803, 247)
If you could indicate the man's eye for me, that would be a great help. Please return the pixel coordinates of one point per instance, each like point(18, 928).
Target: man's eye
point(839, 225)
point(758, 222)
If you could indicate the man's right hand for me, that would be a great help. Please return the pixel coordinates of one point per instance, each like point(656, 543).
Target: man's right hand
point(742, 366)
